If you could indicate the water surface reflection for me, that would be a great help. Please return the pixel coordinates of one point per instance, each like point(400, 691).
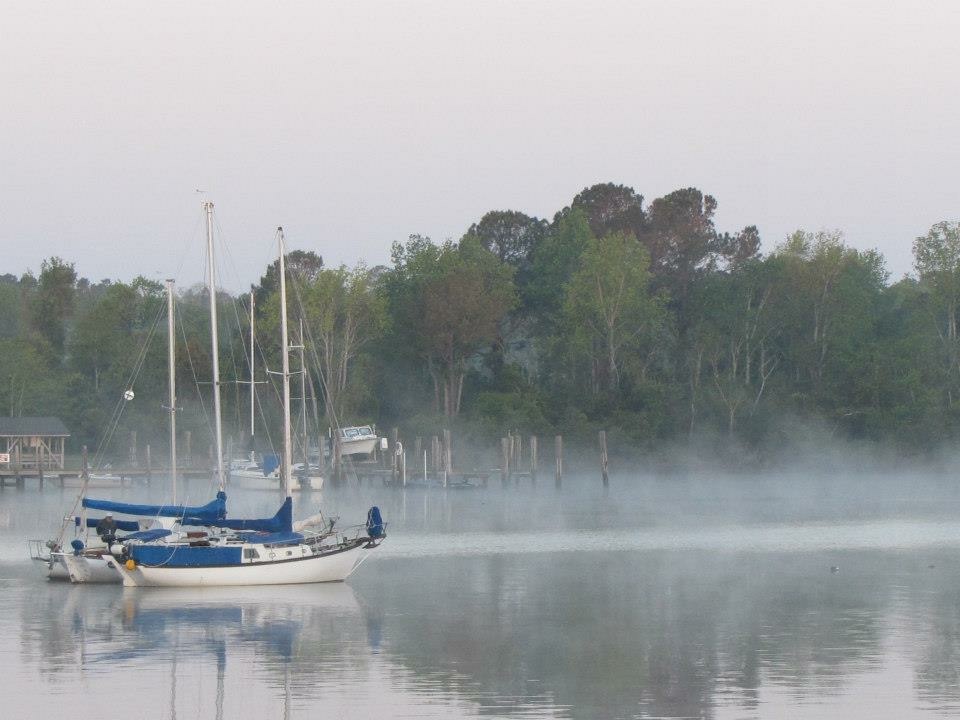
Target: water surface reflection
point(481, 608)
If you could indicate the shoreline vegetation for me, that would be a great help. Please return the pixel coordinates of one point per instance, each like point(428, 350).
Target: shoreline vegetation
point(645, 320)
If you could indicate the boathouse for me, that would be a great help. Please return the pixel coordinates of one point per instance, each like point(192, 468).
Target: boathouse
point(33, 443)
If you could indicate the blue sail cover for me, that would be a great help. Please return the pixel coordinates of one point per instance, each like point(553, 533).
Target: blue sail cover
point(282, 522)
point(270, 463)
point(126, 525)
point(207, 514)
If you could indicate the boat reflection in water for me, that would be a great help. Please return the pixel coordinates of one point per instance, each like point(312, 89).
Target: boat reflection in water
point(205, 652)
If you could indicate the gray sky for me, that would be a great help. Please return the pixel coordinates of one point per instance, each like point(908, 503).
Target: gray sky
point(354, 124)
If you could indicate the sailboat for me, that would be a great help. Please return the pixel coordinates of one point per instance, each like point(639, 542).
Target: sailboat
point(246, 472)
point(89, 559)
point(268, 551)
point(249, 474)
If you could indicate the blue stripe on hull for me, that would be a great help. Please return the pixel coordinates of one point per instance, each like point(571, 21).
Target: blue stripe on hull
point(173, 556)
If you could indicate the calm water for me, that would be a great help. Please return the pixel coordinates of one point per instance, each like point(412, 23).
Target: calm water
point(683, 597)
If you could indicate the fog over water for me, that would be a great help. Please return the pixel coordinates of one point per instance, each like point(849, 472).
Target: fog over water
point(687, 595)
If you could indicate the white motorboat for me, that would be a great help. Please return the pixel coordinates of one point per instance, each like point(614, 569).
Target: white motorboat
point(360, 440)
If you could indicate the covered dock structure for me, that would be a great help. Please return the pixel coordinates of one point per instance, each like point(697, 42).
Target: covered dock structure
point(32, 446)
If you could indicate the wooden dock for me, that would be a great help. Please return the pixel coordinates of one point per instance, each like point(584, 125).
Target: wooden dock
point(18, 476)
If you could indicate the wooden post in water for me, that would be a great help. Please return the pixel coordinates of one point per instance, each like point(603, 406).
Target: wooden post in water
point(533, 459)
point(321, 457)
point(133, 448)
point(337, 460)
point(149, 468)
point(603, 458)
point(558, 455)
point(504, 460)
point(517, 440)
point(83, 463)
point(435, 454)
point(447, 452)
point(189, 448)
point(417, 447)
point(394, 460)
point(403, 468)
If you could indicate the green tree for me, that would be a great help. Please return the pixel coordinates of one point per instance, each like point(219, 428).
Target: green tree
point(303, 265)
point(610, 209)
point(609, 310)
point(103, 335)
point(510, 235)
point(10, 303)
point(735, 332)
point(53, 301)
point(832, 291)
point(554, 262)
point(343, 314)
point(454, 296)
point(937, 261)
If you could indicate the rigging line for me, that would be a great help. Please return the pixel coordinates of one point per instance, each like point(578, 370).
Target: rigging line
point(250, 370)
point(242, 335)
point(226, 251)
point(196, 383)
point(189, 241)
point(193, 371)
point(236, 369)
point(259, 403)
point(134, 374)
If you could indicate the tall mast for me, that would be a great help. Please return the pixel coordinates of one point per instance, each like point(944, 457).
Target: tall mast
point(285, 343)
point(303, 405)
point(171, 383)
point(253, 397)
point(212, 288)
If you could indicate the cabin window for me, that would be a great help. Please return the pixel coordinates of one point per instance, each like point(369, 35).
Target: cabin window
point(366, 431)
point(251, 554)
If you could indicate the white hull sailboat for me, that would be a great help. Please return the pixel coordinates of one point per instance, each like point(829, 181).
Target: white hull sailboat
point(251, 477)
point(287, 565)
point(257, 552)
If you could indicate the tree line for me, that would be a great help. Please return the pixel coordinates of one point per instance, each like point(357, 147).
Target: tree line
point(642, 319)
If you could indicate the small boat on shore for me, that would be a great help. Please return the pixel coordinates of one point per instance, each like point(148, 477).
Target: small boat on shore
point(359, 440)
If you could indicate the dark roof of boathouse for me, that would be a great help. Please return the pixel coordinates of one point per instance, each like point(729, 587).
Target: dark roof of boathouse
point(33, 427)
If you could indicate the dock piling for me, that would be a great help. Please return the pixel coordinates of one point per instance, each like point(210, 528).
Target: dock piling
point(603, 458)
point(558, 455)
